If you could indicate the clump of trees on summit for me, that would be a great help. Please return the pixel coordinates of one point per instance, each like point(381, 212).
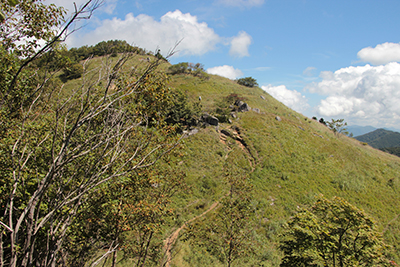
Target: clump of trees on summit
point(247, 81)
point(111, 47)
point(196, 70)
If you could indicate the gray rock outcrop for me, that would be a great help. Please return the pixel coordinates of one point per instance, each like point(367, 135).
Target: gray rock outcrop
point(211, 120)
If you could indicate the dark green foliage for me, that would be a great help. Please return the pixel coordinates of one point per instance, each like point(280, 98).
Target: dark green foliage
point(196, 70)
point(332, 233)
point(160, 56)
point(247, 81)
point(54, 60)
point(178, 68)
point(32, 21)
point(111, 47)
point(12, 3)
point(224, 106)
point(72, 72)
point(87, 143)
point(322, 121)
point(392, 150)
point(129, 211)
point(182, 113)
point(78, 150)
point(381, 138)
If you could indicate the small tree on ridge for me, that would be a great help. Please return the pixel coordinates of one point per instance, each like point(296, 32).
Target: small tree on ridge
point(248, 81)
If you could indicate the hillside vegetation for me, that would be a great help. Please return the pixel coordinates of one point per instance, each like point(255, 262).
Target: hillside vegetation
point(288, 162)
point(244, 177)
point(287, 159)
point(110, 156)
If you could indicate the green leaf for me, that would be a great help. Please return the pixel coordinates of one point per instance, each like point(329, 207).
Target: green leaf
point(13, 2)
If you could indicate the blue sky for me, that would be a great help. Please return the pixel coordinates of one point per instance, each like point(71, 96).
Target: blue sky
point(330, 59)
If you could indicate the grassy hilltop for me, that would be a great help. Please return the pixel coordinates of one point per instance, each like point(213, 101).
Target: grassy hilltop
point(241, 180)
point(288, 162)
point(287, 158)
point(111, 156)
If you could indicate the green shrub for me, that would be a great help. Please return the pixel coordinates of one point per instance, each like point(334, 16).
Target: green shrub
point(248, 82)
point(181, 113)
point(72, 72)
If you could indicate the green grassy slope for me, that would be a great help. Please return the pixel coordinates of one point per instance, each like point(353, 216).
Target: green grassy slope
point(288, 162)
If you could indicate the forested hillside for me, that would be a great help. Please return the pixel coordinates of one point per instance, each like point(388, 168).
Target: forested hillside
point(381, 138)
point(111, 156)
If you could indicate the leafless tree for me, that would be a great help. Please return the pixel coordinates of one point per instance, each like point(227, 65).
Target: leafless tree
point(64, 145)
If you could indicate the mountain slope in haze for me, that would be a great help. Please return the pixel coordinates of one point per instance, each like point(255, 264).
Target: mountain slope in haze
point(288, 158)
point(360, 130)
point(381, 138)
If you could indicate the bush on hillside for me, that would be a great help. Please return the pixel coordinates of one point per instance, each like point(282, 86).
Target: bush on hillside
point(332, 233)
point(72, 72)
point(248, 81)
point(181, 113)
point(225, 106)
point(322, 121)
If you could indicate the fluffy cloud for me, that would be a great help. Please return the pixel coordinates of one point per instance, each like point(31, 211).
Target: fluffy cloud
point(365, 94)
point(226, 71)
point(240, 45)
point(240, 3)
point(290, 98)
point(196, 37)
point(381, 54)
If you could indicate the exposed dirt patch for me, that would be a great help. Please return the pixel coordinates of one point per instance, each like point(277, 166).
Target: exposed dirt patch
point(170, 241)
point(235, 134)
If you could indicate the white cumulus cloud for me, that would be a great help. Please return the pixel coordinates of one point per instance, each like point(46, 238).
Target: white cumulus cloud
point(146, 32)
point(225, 71)
point(366, 94)
point(240, 45)
point(242, 3)
point(291, 98)
point(380, 54)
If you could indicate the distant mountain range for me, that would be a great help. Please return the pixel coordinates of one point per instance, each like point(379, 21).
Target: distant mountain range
point(388, 141)
point(360, 130)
